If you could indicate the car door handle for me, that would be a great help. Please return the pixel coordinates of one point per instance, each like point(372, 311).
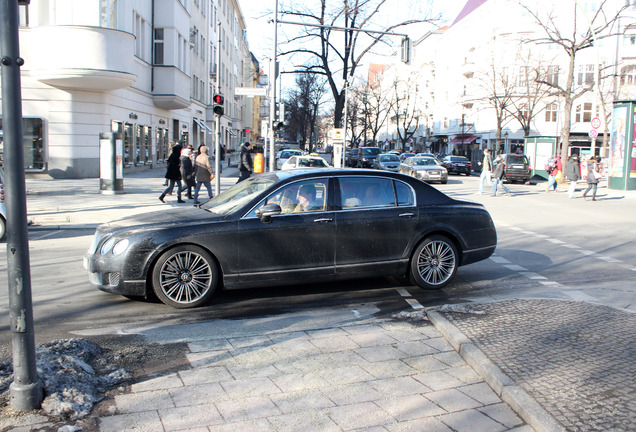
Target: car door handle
point(407, 215)
point(323, 220)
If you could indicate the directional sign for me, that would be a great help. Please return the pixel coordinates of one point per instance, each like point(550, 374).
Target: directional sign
point(250, 91)
point(596, 122)
point(593, 133)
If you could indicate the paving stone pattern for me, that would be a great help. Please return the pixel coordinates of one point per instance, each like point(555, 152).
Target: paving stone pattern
point(578, 360)
point(384, 376)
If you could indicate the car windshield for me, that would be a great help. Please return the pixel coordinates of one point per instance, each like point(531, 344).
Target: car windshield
point(389, 158)
point(288, 154)
point(370, 151)
point(425, 162)
point(517, 159)
point(458, 159)
point(312, 162)
point(238, 195)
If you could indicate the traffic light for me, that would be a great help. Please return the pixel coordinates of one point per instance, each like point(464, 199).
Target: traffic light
point(218, 104)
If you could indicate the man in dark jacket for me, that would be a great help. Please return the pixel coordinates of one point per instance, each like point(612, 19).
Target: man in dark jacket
point(246, 165)
point(572, 173)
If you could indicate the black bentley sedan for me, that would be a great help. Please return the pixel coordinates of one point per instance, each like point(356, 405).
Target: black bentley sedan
point(291, 227)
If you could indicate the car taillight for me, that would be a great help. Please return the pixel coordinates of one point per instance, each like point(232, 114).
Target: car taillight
point(453, 164)
point(1, 193)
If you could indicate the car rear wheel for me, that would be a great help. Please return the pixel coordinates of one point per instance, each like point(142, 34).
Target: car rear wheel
point(3, 228)
point(434, 262)
point(185, 277)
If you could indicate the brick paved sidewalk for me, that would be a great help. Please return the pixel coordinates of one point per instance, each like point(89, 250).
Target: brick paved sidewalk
point(576, 359)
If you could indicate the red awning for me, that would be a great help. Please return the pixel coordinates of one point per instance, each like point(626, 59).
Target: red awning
point(464, 140)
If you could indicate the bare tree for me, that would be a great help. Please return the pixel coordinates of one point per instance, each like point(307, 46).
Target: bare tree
point(405, 112)
point(338, 52)
point(304, 103)
point(573, 35)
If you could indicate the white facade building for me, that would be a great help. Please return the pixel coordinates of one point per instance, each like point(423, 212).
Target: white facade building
point(491, 50)
point(143, 69)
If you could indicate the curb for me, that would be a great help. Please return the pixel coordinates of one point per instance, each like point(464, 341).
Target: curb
point(520, 402)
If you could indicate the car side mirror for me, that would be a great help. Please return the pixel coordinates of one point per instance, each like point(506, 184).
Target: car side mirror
point(266, 212)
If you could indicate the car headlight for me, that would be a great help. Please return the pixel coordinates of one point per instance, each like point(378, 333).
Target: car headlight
point(117, 247)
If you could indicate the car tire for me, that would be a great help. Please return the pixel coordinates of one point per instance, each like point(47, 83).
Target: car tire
point(3, 228)
point(185, 277)
point(444, 182)
point(434, 262)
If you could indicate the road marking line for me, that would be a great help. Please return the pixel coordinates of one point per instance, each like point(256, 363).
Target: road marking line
point(586, 252)
point(549, 283)
point(500, 260)
point(403, 292)
point(542, 236)
point(516, 267)
point(533, 275)
point(579, 295)
point(414, 303)
point(516, 228)
point(608, 259)
point(555, 241)
point(571, 246)
point(528, 232)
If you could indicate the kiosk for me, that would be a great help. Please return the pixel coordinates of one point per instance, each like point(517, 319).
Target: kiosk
point(622, 148)
point(111, 164)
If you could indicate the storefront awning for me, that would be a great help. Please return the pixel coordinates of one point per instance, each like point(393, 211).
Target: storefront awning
point(464, 140)
point(202, 124)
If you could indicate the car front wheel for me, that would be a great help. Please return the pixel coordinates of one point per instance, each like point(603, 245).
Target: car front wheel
point(3, 228)
point(434, 262)
point(185, 277)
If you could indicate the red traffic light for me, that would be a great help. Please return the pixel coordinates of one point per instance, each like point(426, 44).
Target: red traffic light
point(218, 99)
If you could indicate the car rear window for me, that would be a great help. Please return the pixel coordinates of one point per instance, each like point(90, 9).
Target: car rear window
point(458, 159)
point(517, 159)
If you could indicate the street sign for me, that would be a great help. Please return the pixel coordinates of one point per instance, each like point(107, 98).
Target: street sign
point(338, 134)
point(250, 91)
point(596, 122)
point(593, 133)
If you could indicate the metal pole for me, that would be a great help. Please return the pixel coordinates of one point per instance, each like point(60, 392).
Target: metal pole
point(272, 94)
point(344, 144)
point(26, 389)
point(217, 123)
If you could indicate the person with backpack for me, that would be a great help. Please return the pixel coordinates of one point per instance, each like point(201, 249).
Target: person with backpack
point(572, 174)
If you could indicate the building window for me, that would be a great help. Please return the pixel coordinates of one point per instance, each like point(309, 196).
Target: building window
point(108, 13)
point(552, 75)
point(33, 143)
point(551, 112)
point(140, 35)
point(586, 75)
point(583, 113)
point(522, 79)
point(628, 75)
point(162, 145)
point(128, 144)
point(158, 47)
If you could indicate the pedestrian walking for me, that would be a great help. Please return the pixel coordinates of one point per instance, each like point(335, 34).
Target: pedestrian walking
point(187, 171)
point(552, 170)
point(222, 158)
point(593, 177)
point(173, 173)
point(486, 171)
point(497, 176)
point(246, 166)
point(203, 173)
point(572, 173)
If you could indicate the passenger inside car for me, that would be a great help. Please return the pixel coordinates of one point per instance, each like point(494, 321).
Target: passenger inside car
point(307, 199)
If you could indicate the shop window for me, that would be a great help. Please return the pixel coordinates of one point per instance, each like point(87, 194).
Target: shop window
point(33, 141)
point(162, 145)
point(128, 145)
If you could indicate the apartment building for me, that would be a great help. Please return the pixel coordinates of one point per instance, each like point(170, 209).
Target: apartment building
point(491, 51)
point(144, 70)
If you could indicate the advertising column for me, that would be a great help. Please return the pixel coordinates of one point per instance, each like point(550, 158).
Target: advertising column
point(622, 156)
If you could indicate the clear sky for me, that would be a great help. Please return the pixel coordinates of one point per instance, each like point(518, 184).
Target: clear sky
point(258, 14)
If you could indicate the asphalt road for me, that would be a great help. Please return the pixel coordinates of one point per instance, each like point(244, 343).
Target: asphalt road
point(549, 246)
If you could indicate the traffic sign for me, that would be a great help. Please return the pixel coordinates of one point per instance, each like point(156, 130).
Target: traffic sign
point(596, 122)
point(250, 91)
point(593, 133)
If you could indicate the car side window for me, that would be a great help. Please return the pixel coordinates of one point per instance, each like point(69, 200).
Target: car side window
point(404, 194)
point(358, 192)
point(299, 197)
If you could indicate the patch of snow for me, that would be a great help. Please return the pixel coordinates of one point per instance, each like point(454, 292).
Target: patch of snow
point(69, 379)
point(419, 315)
point(461, 308)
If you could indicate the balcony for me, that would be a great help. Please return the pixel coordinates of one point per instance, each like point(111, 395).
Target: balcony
point(171, 88)
point(79, 57)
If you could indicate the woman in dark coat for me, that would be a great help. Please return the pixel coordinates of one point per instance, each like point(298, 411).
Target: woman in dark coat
point(187, 171)
point(173, 174)
point(592, 180)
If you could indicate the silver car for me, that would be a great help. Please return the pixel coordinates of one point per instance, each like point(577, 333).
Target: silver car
point(424, 168)
point(387, 161)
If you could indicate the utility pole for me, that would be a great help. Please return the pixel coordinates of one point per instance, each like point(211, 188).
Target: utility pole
point(217, 119)
point(272, 92)
point(26, 389)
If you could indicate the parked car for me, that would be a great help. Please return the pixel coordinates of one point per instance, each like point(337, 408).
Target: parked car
point(428, 155)
point(3, 212)
point(365, 160)
point(424, 168)
point(286, 154)
point(254, 234)
point(517, 168)
point(457, 164)
point(305, 162)
point(352, 158)
point(387, 161)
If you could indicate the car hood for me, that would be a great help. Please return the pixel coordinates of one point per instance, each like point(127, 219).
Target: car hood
point(426, 167)
point(176, 216)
